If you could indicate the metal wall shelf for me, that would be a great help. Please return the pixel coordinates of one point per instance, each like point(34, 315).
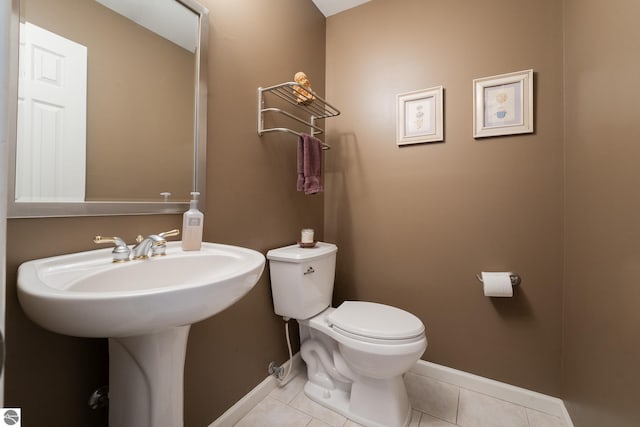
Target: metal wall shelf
point(306, 109)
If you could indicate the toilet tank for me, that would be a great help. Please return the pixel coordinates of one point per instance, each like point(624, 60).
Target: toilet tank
point(302, 279)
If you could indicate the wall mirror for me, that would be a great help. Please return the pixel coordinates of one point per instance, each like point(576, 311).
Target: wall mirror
point(110, 107)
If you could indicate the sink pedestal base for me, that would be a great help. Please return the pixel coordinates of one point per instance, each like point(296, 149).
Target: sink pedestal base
point(146, 379)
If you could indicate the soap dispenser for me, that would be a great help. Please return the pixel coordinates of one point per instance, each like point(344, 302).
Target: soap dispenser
point(192, 225)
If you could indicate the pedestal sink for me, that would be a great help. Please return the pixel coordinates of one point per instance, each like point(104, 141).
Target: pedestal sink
point(145, 308)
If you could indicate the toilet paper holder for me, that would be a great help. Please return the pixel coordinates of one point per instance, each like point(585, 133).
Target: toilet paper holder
point(515, 278)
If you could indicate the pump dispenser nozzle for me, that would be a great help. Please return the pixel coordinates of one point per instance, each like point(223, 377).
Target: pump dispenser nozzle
point(193, 204)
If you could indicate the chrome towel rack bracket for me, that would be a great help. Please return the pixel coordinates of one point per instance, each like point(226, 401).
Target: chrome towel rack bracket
point(307, 112)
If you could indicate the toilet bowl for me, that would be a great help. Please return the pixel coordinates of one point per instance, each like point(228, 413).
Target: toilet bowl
point(356, 353)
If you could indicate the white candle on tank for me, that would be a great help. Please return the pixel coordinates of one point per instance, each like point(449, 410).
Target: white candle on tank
point(306, 235)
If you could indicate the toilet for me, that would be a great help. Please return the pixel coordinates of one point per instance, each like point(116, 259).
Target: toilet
point(357, 353)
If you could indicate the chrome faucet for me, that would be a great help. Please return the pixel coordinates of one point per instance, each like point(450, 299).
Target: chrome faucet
point(120, 252)
point(156, 244)
point(142, 249)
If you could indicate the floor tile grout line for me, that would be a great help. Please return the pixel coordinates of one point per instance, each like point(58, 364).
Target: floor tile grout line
point(313, 417)
point(505, 401)
point(526, 414)
point(419, 416)
point(438, 418)
point(298, 410)
point(458, 399)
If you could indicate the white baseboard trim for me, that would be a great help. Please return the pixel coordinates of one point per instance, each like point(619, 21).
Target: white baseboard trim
point(255, 396)
point(520, 396)
point(517, 395)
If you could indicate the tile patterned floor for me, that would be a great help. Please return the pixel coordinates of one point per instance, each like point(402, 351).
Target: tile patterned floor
point(435, 403)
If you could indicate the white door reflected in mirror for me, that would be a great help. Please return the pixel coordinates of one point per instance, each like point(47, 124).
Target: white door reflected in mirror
point(52, 125)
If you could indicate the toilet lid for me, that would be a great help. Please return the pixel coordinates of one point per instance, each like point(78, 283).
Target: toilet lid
point(372, 320)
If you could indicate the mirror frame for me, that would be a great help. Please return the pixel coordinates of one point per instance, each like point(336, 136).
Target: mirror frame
point(68, 209)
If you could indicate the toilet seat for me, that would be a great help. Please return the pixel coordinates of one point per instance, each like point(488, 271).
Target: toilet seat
point(376, 323)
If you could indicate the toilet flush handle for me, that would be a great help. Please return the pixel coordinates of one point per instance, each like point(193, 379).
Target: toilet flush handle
point(309, 270)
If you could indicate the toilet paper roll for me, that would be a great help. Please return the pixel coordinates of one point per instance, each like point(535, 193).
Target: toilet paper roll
point(497, 284)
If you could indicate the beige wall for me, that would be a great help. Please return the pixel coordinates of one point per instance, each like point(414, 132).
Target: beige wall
point(415, 224)
point(601, 342)
point(251, 201)
point(251, 194)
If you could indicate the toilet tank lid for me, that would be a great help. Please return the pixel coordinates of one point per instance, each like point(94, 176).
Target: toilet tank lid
point(296, 254)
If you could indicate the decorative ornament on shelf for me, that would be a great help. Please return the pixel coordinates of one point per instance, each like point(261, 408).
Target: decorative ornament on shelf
point(302, 96)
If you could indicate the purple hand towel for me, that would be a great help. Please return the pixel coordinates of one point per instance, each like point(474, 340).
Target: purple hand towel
point(309, 164)
point(300, 183)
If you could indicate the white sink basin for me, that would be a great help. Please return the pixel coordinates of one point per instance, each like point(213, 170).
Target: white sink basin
point(145, 308)
point(86, 295)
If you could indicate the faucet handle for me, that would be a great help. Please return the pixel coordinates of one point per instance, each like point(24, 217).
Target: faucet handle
point(120, 252)
point(170, 233)
point(164, 234)
point(117, 240)
point(161, 249)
